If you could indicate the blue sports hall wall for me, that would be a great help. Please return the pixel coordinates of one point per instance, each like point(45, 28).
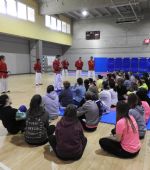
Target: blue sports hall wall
point(122, 64)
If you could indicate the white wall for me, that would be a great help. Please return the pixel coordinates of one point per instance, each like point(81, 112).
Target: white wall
point(117, 40)
point(17, 55)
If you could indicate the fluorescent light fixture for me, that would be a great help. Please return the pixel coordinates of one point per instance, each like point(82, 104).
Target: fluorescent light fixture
point(84, 13)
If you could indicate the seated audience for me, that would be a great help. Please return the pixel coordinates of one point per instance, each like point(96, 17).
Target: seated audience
point(125, 143)
point(133, 89)
point(8, 116)
point(137, 111)
point(66, 96)
point(69, 142)
point(51, 102)
point(89, 113)
point(99, 83)
point(79, 92)
point(105, 96)
point(37, 123)
point(121, 89)
point(127, 82)
point(143, 84)
point(142, 93)
point(114, 94)
point(86, 84)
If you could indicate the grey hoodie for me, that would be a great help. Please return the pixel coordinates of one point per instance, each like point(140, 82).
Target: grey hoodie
point(138, 114)
point(51, 103)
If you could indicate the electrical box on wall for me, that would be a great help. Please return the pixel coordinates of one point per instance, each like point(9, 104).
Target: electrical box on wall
point(147, 41)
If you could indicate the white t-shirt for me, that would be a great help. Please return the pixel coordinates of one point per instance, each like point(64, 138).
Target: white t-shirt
point(114, 97)
point(105, 97)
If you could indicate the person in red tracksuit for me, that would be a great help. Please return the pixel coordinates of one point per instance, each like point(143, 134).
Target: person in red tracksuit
point(91, 66)
point(3, 75)
point(38, 74)
point(79, 66)
point(57, 70)
point(65, 65)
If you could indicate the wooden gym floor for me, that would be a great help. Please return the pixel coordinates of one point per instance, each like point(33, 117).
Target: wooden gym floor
point(17, 155)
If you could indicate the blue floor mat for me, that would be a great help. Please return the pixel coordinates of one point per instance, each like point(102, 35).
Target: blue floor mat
point(61, 112)
point(109, 118)
point(148, 125)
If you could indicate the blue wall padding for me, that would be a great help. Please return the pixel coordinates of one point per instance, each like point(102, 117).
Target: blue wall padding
point(134, 65)
point(101, 64)
point(111, 64)
point(148, 65)
point(143, 65)
point(126, 64)
point(118, 64)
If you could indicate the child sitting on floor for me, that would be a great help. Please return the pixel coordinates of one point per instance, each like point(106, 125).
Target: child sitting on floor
point(137, 111)
point(105, 96)
point(37, 123)
point(8, 116)
point(69, 142)
point(78, 92)
point(89, 113)
point(66, 96)
point(125, 143)
point(51, 102)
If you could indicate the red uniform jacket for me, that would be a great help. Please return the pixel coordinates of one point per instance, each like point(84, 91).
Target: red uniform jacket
point(79, 64)
point(65, 64)
point(57, 66)
point(37, 67)
point(91, 65)
point(3, 70)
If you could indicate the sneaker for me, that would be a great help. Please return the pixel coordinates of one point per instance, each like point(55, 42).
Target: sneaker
point(3, 92)
point(41, 84)
point(8, 91)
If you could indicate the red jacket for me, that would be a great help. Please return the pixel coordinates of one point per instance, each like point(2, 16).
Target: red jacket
point(37, 67)
point(79, 64)
point(65, 64)
point(57, 66)
point(3, 70)
point(91, 65)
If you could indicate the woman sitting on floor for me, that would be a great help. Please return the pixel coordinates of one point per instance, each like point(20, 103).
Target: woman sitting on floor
point(88, 114)
point(125, 143)
point(69, 142)
point(8, 116)
point(37, 123)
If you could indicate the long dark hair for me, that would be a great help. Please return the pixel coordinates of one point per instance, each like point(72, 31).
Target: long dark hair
point(3, 100)
point(133, 100)
point(123, 112)
point(35, 104)
point(113, 86)
point(71, 112)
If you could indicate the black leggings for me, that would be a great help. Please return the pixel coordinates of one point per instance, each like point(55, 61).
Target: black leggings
point(115, 148)
point(19, 126)
point(53, 143)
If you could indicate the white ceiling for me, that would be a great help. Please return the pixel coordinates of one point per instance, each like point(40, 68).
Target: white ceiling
point(123, 10)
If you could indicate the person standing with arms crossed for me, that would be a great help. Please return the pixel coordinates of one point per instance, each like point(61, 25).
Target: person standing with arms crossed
point(65, 65)
point(57, 70)
point(79, 66)
point(38, 74)
point(91, 65)
point(3, 75)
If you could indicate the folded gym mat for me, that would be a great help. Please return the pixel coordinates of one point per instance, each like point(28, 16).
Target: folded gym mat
point(109, 118)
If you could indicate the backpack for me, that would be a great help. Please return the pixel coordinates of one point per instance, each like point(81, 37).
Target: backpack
point(35, 131)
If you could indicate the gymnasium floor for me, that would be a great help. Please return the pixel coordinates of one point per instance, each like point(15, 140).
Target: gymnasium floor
point(17, 155)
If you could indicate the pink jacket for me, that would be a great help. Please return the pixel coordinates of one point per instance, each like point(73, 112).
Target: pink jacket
point(146, 110)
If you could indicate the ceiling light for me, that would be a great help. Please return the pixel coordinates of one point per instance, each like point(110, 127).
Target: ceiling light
point(84, 13)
